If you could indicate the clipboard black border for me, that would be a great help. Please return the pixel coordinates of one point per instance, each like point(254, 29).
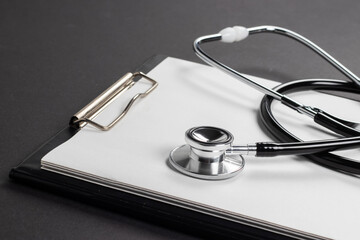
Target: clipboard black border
point(185, 220)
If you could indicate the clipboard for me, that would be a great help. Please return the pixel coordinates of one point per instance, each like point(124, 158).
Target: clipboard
point(215, 223)
point(29, 172)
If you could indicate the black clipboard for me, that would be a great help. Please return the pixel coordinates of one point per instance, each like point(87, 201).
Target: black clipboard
point(30, 172)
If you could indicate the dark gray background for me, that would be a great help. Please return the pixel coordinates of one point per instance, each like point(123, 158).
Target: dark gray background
point(56, 56)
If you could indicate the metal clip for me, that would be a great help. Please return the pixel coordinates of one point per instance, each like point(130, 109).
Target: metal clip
point(90, 111)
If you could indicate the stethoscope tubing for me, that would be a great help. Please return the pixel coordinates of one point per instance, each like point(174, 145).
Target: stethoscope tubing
point(326, 159)
point(352, 136)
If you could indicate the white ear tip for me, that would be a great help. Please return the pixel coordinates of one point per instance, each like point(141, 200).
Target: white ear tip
point(233, 34)
point(241, 33)
point(228, 35)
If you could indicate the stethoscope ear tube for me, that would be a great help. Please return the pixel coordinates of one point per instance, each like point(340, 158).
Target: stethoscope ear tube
point(332, 161)
point(265, 149)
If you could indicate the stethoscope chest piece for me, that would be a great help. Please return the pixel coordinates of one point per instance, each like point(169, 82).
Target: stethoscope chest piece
point(204, 156)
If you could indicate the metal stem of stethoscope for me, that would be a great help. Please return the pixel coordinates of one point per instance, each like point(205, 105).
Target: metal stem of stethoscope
point(271, 29)
point(309, 44)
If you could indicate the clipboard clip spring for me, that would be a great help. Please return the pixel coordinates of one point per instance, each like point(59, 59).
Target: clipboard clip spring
point(87, 114)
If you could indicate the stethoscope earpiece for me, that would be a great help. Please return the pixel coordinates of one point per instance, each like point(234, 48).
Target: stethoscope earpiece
point(204, 156)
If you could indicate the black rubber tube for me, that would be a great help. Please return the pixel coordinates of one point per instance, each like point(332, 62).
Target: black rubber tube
point(326, 159)
point(265, 149)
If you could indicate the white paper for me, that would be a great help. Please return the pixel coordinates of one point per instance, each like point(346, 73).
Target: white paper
point(289, 191)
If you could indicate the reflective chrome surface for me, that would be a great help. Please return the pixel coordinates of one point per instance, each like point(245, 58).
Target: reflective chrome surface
point(227, 166)
point(205, 155)
point(209, 138)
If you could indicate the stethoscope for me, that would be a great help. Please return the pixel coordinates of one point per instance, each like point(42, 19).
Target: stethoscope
point(210, 153)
